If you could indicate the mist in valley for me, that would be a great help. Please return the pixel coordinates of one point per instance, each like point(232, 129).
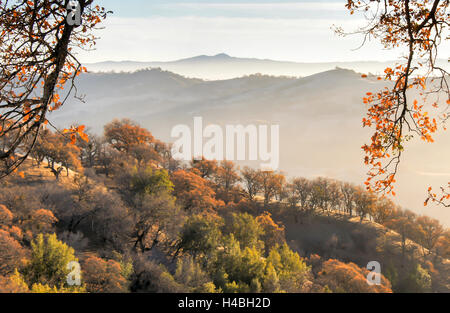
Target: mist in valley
point(319, 116)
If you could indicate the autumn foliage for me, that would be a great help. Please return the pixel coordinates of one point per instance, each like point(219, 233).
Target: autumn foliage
point(417, 27)
point(349, 277)
point(143, 222)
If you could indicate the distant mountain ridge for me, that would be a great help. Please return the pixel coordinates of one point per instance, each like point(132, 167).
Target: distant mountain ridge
point(223, 66)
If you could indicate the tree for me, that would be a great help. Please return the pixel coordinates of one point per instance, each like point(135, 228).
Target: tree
point(252, 181)
point(191, 275)
point(103, 276)
point(145, 155)
point(154, 211)
point(148, 276)
point(417, 281)
point(348, 194)
point(6, 216)
point(166, 158)
point(59, 153)
point(291, 269)
point(336, 198)
point(38, 151)
point(249, 268)
point(239, 269)
point(36, 50)
point(13, 284)
point(302, 189)
point(273, 234)
point(320, 196)
point(244, 269)
point(124, 135)
point(193, 192)
point(271, 282)
point(135, 143)
point(417, 26)
point(208, 168)
point(364, 202)
point(90, 150)
point(40, 221)
point(429, 232)
point(100, 213)
point(350, 278)
point(299, 192)
point(155, 217)
point(403, 222)
point(201, 235)
point(48, 262)
point(107, 158)
point(11, 254)
point(443, 245)
point(226, 178)
point(272, 183)
point(149, 181)
point(383, 210)
point(246, 229)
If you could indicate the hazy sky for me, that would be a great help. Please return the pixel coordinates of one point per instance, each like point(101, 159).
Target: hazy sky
point(157, 30)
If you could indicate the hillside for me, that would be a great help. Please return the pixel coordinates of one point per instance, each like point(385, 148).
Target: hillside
point(329, 234)
point(319, 117)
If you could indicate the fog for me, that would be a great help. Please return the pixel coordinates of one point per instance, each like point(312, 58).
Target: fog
point(319, 116)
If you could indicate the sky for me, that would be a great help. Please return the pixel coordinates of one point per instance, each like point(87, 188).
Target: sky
point(301, 31)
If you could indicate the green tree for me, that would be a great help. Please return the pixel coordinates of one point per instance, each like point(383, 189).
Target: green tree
point(418, 280)
point(239, 270)
point(246, 229)
point(291, 269)
point(150, 181)
point(190, 274)
point(201, 235)
point(271, 283)
point(48, 262)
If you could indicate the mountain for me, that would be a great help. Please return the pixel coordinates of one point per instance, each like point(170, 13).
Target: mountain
point(223, 66)
point(319, 118)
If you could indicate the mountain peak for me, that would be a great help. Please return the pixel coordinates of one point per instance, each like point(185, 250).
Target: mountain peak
point(222, 56)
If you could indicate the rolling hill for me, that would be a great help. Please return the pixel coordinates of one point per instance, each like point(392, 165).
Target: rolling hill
point(319, 118)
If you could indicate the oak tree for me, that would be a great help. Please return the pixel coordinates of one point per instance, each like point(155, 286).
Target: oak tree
point(37, 60)
point(418, 27)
